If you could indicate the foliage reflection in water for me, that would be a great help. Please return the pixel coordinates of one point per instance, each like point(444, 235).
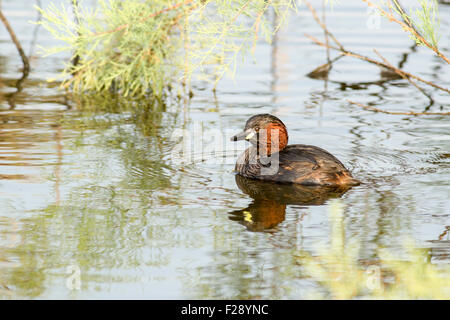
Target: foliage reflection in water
point(92, 183)
point(344, 276)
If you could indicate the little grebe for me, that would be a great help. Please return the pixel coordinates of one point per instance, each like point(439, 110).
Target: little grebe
point(271, 159)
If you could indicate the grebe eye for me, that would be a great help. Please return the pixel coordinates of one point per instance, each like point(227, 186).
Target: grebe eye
point(256, 128)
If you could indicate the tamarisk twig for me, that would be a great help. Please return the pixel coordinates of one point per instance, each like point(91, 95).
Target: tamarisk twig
point(26, 64)
point(343, 50)
point(407, 27)
point(409, 113)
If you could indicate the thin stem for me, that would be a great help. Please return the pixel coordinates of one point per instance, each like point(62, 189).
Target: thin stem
point(378, 63)
point(404, 76)
point(325, 33)
point(257, 23)
point(26, 64)
point(410, 113)
point(324, 27)
point(406, 27)
point(76, 58)
point(403, 14)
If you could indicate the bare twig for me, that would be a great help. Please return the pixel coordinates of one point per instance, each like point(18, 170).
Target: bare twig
point(324, 27)
point(378, 63)
point(410, 113)
point(403, 14)
point(76, 58)
point(325, 33)
point(407, 27)
point(26, 64)
point(402, 74)
point(258, 22)
point(443, 234)
point(346, 52)
point(36, 29)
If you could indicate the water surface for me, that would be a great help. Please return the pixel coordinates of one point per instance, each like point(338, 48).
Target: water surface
point(103, 191)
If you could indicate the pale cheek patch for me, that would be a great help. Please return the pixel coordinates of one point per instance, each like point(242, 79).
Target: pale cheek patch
point(250, 135)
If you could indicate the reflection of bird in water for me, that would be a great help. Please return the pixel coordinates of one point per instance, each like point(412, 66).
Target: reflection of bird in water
point(270, 199)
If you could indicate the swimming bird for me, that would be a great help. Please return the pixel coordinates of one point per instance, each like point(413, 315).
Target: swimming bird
point(270, 158)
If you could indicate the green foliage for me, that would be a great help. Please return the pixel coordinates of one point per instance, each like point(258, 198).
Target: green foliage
point(143, 48)
point(225, 29)
point(132, 58)
point(339, 270)
point(424, 18)
point(140, 48)
point(427, 21)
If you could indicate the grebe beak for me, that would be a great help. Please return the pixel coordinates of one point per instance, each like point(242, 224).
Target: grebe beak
point(245, 135)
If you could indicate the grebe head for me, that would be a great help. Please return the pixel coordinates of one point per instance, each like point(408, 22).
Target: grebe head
point(266, 132)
